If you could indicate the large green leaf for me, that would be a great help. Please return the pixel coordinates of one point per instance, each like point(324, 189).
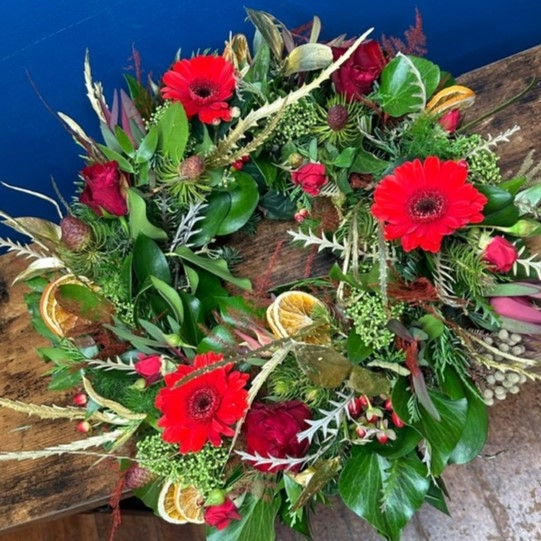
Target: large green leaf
point(214, 266)
point(384, 492)
point(257, 523)
point(441, 436)
point(149, 260)
point(138, 220)
point(87, 303)
point(244, 197)
point(171, 296)
point(173, 131)
point(406, 84)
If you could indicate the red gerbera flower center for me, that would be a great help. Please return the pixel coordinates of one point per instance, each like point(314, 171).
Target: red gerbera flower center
point(426, 206)
point(203, 404)
point(203, 90)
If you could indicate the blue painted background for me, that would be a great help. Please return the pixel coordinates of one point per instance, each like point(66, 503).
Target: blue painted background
point(43, 44)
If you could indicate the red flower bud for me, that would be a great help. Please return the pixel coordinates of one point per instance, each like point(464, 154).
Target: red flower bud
point(80, 399)
point(84, 427)
point(382, 438)
point(105, 189)
point(310, 177)
point(501, 254)
point(399, 423)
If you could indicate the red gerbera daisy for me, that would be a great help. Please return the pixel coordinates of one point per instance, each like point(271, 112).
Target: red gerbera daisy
point(202, 84)
point(205, 407)
point(421, 202)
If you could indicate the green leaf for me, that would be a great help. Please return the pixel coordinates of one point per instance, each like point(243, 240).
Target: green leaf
point(406, 83)
point(171, 296)
point(191, 326)
point(149, 261)
point(277, 206)
point(124, 141)
point(147, 147)
point(112, 155)
point(436, 498)
point(139, 224)
point(497, 197)
point(432, 326)
point(150, 493)
point(441, 436)
point(214, 266)
point(323, 365)
point(65, 378)
point(357, 351)
point(384, 492)
point(83, 301)
point(366, 162)
point(173, 131)
point(257, 523)
point(345, 158)
point(243, 196)
point(368, 382)
point(307, 57)
point(265, 24)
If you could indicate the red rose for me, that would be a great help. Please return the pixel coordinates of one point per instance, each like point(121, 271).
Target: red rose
point(149, 367)
point(501, 254)
point(310, 177)
point(104, 189)
point(356, 76)
point(271, 431)
point(221, 515)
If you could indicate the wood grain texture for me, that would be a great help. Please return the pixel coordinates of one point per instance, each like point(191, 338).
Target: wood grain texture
point(494, 498)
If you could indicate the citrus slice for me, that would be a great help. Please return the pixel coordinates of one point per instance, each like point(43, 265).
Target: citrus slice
point(179, 504)
point(449, 98)
point(57, 319)
point(293, 311)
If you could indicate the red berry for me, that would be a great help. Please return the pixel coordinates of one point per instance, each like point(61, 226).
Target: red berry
point(382, 437)
point(388, 405)
point(83, 426)
point(360, 431)
point(355, 407)
point(399, 423)
point(80, 399)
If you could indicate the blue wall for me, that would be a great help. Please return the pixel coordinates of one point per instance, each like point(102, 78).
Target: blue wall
point(43, 44)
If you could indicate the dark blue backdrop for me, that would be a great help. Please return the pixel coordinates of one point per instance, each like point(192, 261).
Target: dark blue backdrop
point(45, 41)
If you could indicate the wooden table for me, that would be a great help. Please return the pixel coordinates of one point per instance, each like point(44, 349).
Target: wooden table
point(496, 497)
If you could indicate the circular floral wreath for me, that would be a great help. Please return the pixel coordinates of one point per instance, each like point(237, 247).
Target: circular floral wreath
point(230, 406)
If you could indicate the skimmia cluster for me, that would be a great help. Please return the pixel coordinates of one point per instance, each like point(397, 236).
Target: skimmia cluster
point(234, 407)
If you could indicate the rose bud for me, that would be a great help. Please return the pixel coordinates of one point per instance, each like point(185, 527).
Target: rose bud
point(149, 367)
point(104, 189)
point(450, 120)
point(501, 254)
point(310, 177)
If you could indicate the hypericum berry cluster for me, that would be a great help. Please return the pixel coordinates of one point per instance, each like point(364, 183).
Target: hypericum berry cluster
point(370, 316)
point(296, 121)
point(373, 419)
point(202, 469)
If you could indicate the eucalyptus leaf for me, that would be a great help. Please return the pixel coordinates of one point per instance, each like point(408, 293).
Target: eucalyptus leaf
point(307, 57)
point(139, 223)
point(367, 382)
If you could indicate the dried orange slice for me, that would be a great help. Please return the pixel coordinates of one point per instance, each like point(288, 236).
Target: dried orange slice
point(58, 320)
point(180, 504)
point(293, 311)
point(449, 98)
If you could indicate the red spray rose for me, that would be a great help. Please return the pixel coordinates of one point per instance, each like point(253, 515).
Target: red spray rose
point(310, 177)
point(149, 367)
point(501, 254)
point(356, 76)
point(202, 85)
point(271, 431)
point(104, 189)
point(221, 515)
point(205, 407)
point(450, 120)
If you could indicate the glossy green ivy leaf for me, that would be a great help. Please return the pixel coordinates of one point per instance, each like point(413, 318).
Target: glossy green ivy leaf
point(137, 216)
point(149, 260)
point(257, 522)
point(193, 317)
point(277, 206)
point(442, 436)
point(406, 83)
point(384, 492)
